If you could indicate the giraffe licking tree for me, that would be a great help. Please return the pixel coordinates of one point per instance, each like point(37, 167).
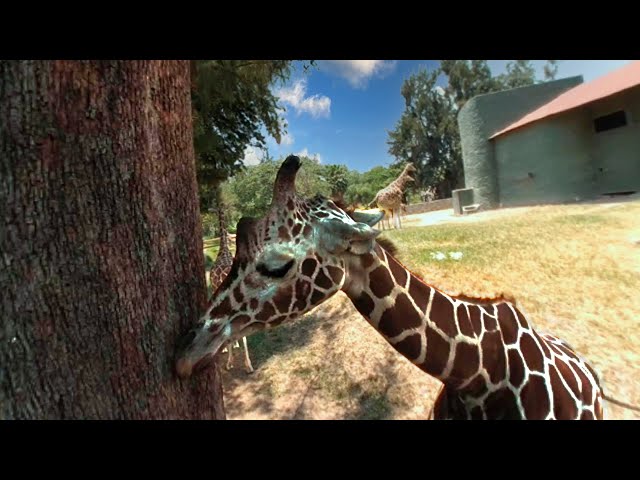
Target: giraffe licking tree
point(219, 272)
point(492, 362)
point(389, 199)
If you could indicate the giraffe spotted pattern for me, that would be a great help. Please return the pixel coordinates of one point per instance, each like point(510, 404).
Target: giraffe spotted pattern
point(219, 271)
point(488, 355)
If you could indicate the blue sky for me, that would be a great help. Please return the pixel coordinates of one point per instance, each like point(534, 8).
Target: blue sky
point(340, 113)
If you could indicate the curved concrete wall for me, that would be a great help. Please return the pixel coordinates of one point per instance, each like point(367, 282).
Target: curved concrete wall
point(550, 161)
point(484, 115)
point(617, 151)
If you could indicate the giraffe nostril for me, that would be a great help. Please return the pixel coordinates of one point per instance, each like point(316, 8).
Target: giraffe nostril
point(185, 341)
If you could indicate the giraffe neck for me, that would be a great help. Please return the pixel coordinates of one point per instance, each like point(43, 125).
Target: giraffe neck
point(401, 181)
point(224, 240)
point(438, 333)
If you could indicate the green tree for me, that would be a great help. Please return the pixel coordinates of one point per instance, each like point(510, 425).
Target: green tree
point(468, 78)
point(233, 108)
point(252, 188)
point(520, 73)
point(551, 70)
point(427, 132)
point(363, 187)
point(232, 102)
point(337, 178)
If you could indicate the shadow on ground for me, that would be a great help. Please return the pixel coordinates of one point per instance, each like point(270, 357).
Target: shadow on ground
point(330, 364)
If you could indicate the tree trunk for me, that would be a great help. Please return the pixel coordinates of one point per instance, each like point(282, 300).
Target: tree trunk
point(101, 263)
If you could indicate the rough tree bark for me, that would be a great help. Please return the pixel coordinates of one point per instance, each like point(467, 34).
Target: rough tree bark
point(101, 263)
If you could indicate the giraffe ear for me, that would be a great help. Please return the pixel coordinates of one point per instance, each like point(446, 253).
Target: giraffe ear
point(337, 236)
point(369, 218)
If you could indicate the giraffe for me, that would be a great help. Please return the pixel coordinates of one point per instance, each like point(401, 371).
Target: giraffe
point(389, 198)
point(491, 361)
point(218, 273)
point(391, 214)
point(428, 194)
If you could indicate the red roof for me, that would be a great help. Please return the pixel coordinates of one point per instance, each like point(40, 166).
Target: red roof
point(610, 84)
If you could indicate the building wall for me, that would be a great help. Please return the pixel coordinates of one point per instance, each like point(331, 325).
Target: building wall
point(617, 151)
point(563, 159)
point(441, 204)
point(549, 161)
point(484, 115)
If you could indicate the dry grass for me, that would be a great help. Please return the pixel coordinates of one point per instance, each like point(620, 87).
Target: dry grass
point(574, 269)
point(329, 364)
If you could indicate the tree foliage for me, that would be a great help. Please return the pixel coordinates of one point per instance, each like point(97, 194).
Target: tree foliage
point(520, 73)
point(468, 78)
point(427, 132)
point(233, 104)
point(551, 70)
point(337, 176)
point(249, 192)
point(363, 187)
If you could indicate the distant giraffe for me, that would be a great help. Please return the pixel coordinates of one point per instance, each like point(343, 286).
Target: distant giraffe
point(389, 199)
point(218, 273)
point(492, 362)
point(389, 216)
point(428, 194)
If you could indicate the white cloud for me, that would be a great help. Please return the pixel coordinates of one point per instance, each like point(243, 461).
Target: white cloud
point(252, 156)
point(440, 90)
point(358, 72)
point(305, 153)
point(287, 139)
point(295, 96)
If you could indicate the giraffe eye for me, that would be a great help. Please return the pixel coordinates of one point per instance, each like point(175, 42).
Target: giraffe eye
point(274, 272)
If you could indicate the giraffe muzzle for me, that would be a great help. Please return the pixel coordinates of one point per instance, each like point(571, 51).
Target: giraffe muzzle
point(197, 349)
point(185, 368)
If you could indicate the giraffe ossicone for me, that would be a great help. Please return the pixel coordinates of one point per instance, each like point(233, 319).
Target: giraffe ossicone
point(492, 362)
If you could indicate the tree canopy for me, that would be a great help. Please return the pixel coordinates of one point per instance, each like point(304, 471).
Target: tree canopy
point(233, 106)
point(427, 132)
point(249, 192)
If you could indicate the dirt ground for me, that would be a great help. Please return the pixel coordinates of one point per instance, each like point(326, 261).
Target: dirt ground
point(331, 364)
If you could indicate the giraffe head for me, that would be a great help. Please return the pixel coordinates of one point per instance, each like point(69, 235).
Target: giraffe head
point(286, 263)
point(405, 177)
point(409, 169)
